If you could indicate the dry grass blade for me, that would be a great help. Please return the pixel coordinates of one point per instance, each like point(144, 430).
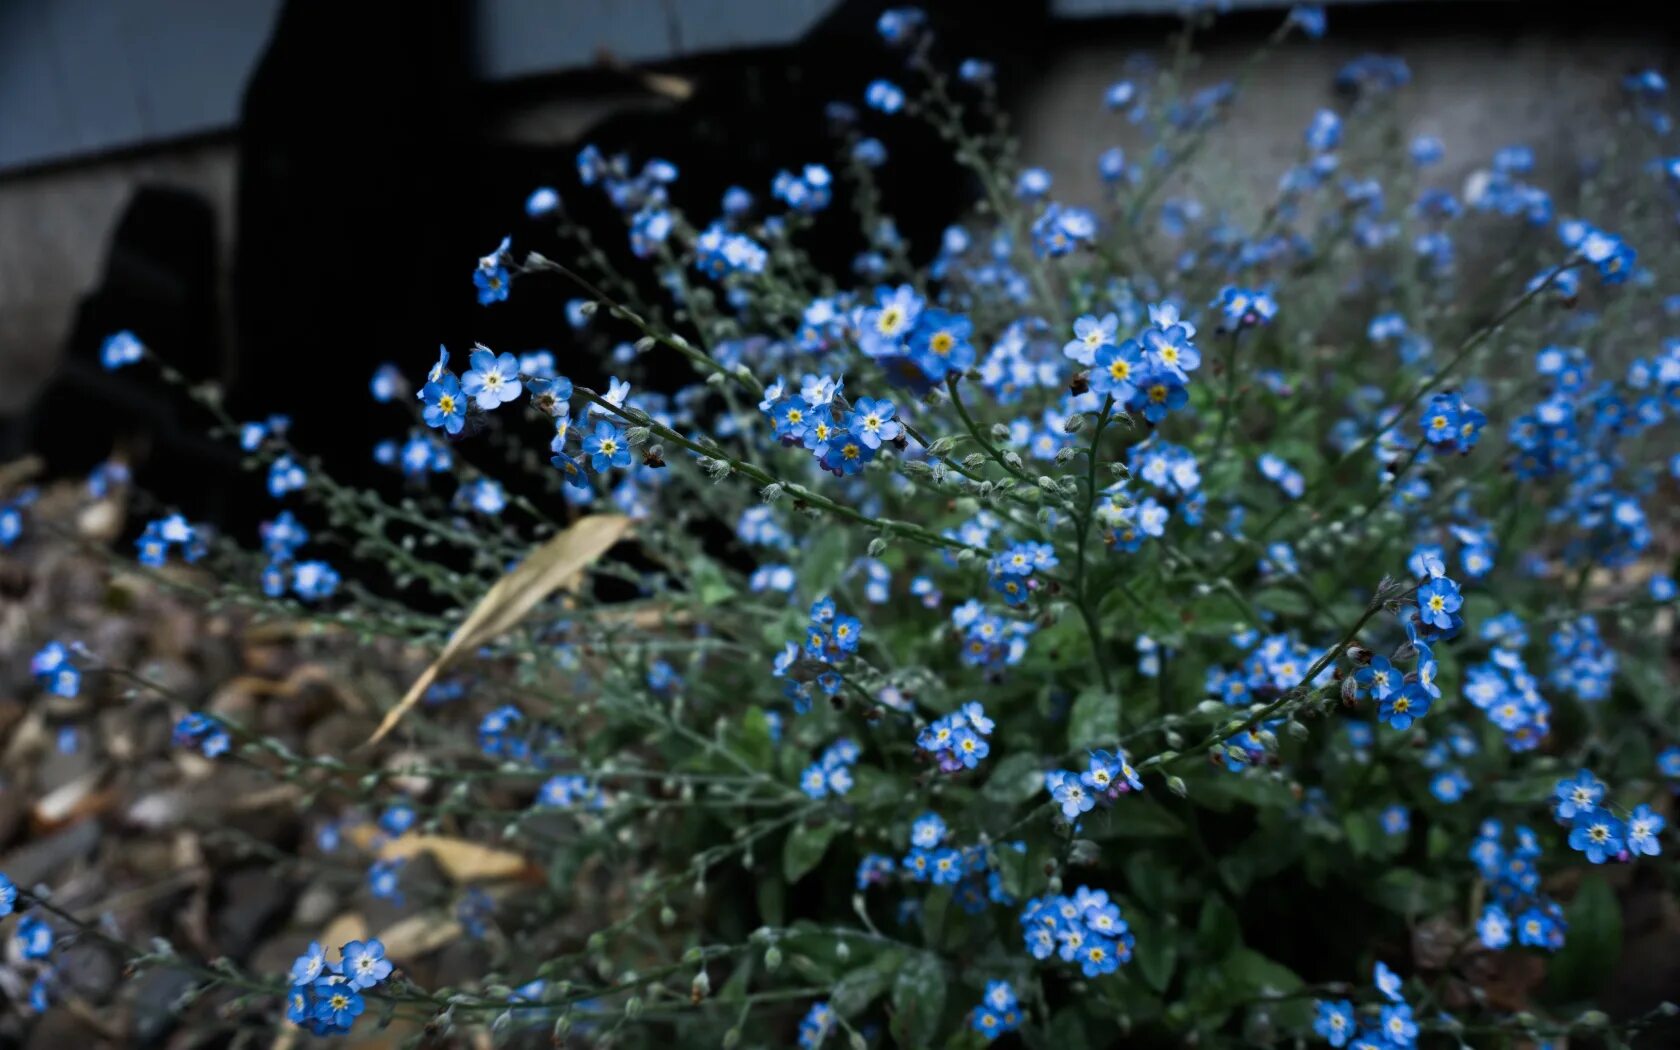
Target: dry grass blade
point(550, 567)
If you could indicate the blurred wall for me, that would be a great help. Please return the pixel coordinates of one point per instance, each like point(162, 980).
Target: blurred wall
point(1482, 79)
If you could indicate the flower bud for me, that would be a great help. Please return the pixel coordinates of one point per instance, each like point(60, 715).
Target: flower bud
point(699, 988)
point(877, 546)
point(1177, 786)
point(772, 958)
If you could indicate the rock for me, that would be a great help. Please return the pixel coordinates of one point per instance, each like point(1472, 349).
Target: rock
point(89, 969)
point(57, 1029)
point(155, 993)
point(45, 857)
point(253, 902)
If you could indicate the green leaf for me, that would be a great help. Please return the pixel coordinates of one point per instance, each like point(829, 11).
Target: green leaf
point(1217, 932)
point(1594, 943)
point(752, 739)
point(772, 901)
point(1282, 600)
point(1361, 831)
point(934, 907)
point(710, 585)
point(918, 999)
point(1151, 881)
point(824, 560)
point(1133, 817)
point(1015, 779)
point(1156, 949)
point(1409, 893)
point(805, 846)
point(1017, 869)
point(1257, 975)
point(1094, 720)
point(854, 991)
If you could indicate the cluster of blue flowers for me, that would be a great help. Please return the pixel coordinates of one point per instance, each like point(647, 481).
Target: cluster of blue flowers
point(309, 580)
point(1596, 831)
point(1503, 688)
point(843, 438)
point(1105, 779)
point(1085, 929)
point(173, 531)
point(1149, 373)
point(205, 732)
point(1450, 424)
point(1011, 570)
point(999, 1011)
point(326, 997)
point(830, 638)
point(1389, 1022)
point(831, 774)
point(1518, 906)
point(505, 734)
point(988, 639)
point(53, 668)
point(958, 740)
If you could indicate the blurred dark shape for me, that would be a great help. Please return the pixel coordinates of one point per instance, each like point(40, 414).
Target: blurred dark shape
point(367, 189)
point(354, 192)
point(159, 282)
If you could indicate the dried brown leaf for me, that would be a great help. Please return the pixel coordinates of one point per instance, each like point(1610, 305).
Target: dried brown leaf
point(556, 564)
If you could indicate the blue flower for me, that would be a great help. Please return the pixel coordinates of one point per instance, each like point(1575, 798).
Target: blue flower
point(1380, 678)
point(606, 448)
point(1494, 927)
point(1162, 392)
point(1598, 834)
point(491, 277)
point(365, 964)
point(120, 349)
point(1398, 1026)
point(543, 202)
point(491, 381)
point(1579, 795)
point(1325, 131)
point(1242, 308)
point(1644, 824)
point(1387, 981)
point(34, 937)
point(1401, 710)
point(1089, 336)
point(947, 867)
point(939, 344)
point(1309, 18)
point(8, 895)
point(1437, 600)
point(1070, 794)
point(337, 1002)
point(1335, 1021)
point(310, 965)
point(1117, 369)
point(872, 421)
point(884, 95)
point(446, 406)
